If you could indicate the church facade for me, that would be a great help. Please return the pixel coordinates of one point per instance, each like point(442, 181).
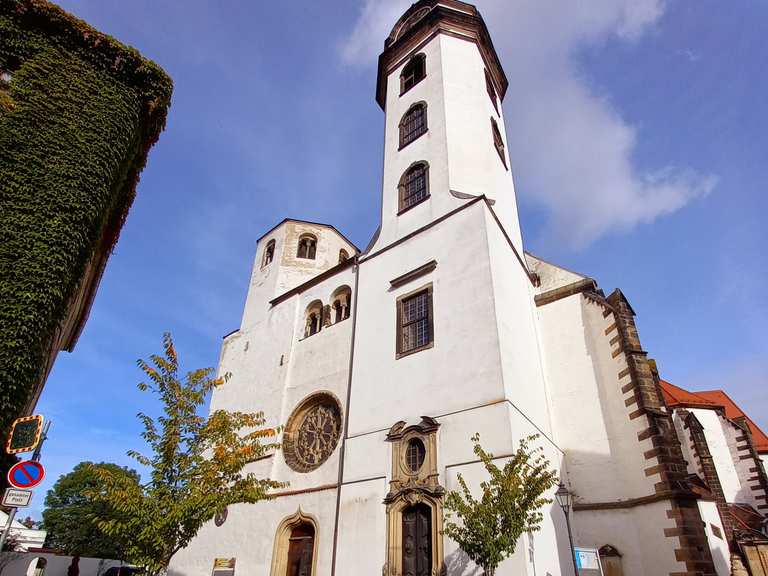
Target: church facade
point(383, 363)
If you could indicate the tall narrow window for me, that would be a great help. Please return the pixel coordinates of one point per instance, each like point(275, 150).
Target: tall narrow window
point(415, 322)
point(301, 544)
point(414, 186)
point(341, 300)
point(269, 253)
point(413, 73)
point(498, 143)
point(307, 247)
point(413, 124)
point(491, 91)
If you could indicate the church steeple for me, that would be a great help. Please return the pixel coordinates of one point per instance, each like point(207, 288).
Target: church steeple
point(441, 84)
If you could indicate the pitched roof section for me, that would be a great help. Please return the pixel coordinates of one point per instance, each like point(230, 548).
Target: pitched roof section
point(733, 412)
point(676, 396)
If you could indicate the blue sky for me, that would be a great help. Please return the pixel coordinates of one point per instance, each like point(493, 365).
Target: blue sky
point(638, 136)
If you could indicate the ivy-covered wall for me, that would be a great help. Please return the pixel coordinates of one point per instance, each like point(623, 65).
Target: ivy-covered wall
point(78, 114)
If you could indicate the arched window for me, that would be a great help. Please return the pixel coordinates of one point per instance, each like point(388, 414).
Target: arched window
point(413, 73)
point(610, 558)
point(341, 301)
point(417, 540)
point(307, 247)
point(414, 186)
point(491, 91)
point(269, 253)
point(498, 143)
point(413, 124)
point(343, 255)
point(314, 321)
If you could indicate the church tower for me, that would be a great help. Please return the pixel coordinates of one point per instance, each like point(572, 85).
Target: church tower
point(441, 85)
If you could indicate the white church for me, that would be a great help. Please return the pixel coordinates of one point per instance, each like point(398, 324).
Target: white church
point(383, 363)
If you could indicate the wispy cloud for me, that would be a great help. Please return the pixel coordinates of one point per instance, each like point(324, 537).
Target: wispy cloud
point(571, 149)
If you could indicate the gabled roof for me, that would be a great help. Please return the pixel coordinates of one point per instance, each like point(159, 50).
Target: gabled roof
point(733, 412)
point(675, 396)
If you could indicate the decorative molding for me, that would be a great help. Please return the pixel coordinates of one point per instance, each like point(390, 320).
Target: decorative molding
point(413, 274)
point(564, 291)
point(294, 452)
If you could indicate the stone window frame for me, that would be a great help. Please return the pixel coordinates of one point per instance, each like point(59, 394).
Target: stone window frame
point(295, 420)
point(279, 565)
point(399, 351)
point(407, 134)
point(401, 187)
point(269, 253)
point(498, 142)
point(339, 295)
point(311, 250)
point(413, 72)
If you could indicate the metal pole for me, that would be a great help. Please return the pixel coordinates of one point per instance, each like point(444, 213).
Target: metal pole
point(7, 529)
point(43, 438)
point(570, 540)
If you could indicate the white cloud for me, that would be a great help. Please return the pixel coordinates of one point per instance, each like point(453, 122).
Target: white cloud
point(571, 149)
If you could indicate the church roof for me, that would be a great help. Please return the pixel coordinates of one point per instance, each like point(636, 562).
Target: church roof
point(675, 396)
point(733, 412)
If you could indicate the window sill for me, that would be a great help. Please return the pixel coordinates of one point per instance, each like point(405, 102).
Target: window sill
point(415, 350)
point(404, 210)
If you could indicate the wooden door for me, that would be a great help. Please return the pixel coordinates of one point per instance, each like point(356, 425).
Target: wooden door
point(417, 541)
point(301, 545)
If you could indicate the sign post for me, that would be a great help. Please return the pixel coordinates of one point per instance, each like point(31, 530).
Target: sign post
point(27, 434)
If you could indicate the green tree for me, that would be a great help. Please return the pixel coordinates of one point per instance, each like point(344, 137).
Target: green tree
point(510, 504)
point(68, 515)
point(195, 466)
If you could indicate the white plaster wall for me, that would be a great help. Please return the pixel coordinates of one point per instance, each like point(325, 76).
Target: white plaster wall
point(717, 545)
point(249, 536)
point(717, 442)
point(362, 529)
point(474, 165)
point(57, 565)
point(686, 444)
point(515, 311)
point(551, 276)
point(637, 533)
point(605, 460)
point(462, 369)
point(764, 462)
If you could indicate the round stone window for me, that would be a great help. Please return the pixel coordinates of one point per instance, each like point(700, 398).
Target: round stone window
point(312, 432)
point(414, 454)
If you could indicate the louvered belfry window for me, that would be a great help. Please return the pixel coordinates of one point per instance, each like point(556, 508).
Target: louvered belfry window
point(415, 322)
point(413, 124)
point(414, 186)
point(498, 143)
point(413, 73)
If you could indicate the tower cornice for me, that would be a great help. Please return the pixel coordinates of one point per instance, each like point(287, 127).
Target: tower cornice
point(426, 19)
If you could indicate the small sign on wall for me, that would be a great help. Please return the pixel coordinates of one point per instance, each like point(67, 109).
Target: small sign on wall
point(223, 567)
point(588, 562)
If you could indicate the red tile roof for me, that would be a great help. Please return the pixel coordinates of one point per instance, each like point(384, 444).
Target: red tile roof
point(733, 412)
point(676, 396)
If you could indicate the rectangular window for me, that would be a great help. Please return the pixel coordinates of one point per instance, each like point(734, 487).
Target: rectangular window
point(414, 319)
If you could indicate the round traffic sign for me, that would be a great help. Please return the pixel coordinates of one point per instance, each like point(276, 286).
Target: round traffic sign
point(26, 474)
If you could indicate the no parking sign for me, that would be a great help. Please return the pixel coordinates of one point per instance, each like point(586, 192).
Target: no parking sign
point(27, 474)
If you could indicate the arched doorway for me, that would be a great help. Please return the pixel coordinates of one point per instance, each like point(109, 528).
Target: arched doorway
point(417, 540)
point(295, 550)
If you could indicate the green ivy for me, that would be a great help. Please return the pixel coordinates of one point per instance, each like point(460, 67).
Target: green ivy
point(77, 119)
